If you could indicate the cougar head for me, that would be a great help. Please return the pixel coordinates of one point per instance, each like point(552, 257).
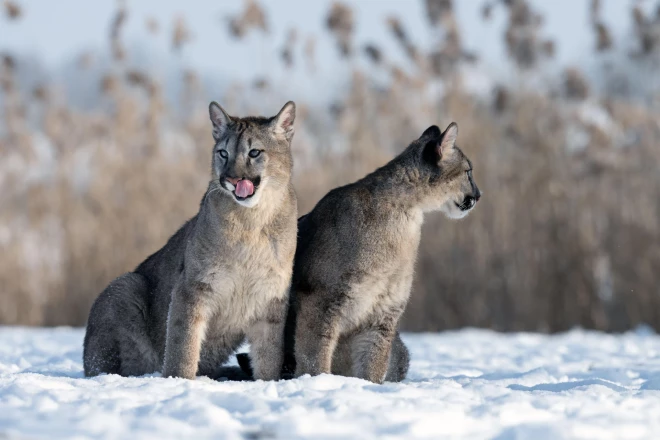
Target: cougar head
point(450, 184)
point(253, 153)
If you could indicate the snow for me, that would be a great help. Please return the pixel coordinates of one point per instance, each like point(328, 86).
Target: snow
point(464, 384)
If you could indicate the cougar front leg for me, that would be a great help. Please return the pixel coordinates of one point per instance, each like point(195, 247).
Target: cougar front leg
point(266, 337)
point(186, 325)
point(316, 338)
point(371, 351)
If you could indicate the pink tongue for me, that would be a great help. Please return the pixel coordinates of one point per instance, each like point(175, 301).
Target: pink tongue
point(244, 188)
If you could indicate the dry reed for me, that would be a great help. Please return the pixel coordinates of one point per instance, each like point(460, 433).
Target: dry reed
point(566, 234)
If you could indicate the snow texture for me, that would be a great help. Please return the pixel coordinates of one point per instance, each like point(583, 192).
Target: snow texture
point(466, 384)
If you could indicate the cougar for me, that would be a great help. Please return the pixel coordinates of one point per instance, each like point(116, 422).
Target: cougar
point(354, 261)
point(223, 277)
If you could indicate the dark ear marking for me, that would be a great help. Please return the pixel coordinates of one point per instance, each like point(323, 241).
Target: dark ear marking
point(440, 144)
point(432, 131)
point(430, 153)
point(220, 120)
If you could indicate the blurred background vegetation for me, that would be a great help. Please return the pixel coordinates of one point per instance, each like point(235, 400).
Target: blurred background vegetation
point(96, 176)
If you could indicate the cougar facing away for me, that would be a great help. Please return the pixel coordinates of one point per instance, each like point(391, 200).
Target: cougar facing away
point(355, 257)
point(222, 277)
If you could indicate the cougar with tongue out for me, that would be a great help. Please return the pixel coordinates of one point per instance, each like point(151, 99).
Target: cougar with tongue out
point(221, 279)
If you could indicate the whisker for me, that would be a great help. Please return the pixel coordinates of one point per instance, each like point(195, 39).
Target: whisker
point(215, 188)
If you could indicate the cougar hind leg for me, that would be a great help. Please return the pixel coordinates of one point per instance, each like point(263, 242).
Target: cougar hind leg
point(399, 361)
point(342, 363)
point(117, 340)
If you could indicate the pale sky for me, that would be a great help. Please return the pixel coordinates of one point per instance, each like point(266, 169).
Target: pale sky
point(57, 31)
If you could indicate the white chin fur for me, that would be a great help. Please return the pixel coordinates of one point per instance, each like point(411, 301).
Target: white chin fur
point(454, 212)
point(251, 202)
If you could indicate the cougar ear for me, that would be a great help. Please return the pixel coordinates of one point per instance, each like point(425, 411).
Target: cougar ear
point(448, 140)
point(433, 131)
point(220, 120)
point(282, 124)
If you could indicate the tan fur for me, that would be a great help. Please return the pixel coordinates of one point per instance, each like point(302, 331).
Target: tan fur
point(224, 276)
point(356, 254)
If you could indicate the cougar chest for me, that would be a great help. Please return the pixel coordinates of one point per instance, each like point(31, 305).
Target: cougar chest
point(245, 279)
point(383, 292)
point(387, 269)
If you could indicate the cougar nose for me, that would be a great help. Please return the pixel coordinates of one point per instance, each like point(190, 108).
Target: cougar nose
point(477, 195)
point(232, 180)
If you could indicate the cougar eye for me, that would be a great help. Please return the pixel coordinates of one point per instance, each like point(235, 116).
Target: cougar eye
point(223, 154)
point(254, 153)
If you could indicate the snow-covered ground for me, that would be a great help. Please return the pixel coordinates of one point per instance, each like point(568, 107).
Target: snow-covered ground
point(466, 384)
